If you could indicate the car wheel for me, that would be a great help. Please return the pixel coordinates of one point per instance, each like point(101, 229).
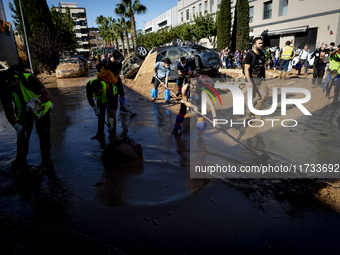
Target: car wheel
point(177, 42)
point(141, 51)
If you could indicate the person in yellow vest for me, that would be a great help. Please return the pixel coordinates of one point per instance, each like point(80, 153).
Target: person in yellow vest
point(286, 54)
point(106, 96)
point(32, 103)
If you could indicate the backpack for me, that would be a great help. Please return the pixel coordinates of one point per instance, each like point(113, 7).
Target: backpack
point(253, 60)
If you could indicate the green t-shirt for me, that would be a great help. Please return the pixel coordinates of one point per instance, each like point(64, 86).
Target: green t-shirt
point(334, 62)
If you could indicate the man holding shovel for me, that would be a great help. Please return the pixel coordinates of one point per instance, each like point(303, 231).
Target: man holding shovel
point(107, 99)
point(161, 74)
point(113, 63)
point(32, 103)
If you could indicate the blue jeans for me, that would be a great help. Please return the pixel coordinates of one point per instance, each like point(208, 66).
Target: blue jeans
point(238, 63)
point(284, 65)
point(276, 61)
point(328, 79)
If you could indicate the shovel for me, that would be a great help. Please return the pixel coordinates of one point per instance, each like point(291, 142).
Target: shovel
point(112, 135)
point(258, 160)
point(132, 115)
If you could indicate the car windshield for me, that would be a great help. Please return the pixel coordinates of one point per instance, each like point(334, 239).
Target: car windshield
point(70, 61)
point(199, 49)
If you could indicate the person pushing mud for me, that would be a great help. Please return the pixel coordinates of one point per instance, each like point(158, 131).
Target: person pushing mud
point(32, 103)
point(106, 96)
point(191, 101)
point(113, 63)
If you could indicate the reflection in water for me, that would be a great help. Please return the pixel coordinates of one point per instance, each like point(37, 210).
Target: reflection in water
point(114, 184)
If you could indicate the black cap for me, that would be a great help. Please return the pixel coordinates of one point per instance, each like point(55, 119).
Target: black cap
point(116, 54)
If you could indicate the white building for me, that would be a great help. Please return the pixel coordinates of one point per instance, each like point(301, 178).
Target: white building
point(8, 49)
point(302, 22)
point(79, 16)
point(167, 18)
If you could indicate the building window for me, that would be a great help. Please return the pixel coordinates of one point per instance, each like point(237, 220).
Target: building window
point(283, 8)
point(251, 14)
point(181, 16)
point(211, 5)
point(100, 45)
point(193, 11)
point(205, 7)
point(187, 14)
point(200, 8)
point(267, 10)
point(148, 30)
point(99, 38)
point(162, 24)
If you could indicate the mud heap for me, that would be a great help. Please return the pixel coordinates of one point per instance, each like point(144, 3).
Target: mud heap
point(121, 152)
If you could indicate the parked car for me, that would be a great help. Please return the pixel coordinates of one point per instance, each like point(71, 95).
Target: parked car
point(82, 59)
point(70, 67)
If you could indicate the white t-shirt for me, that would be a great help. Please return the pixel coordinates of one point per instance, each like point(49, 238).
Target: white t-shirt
point(304, 54)
point(277, 53)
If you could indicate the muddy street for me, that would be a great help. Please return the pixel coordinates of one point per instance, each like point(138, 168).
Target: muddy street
point(153, 206)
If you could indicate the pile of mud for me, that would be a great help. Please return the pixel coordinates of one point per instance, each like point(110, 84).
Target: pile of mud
point(121, 152)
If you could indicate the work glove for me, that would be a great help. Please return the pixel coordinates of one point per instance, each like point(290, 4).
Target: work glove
point(122, 100)
point(32, 104)
point(194, 108)
point(96, 110)
point(18, 128)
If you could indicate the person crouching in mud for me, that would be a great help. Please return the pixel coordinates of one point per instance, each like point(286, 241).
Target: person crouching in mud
point(107, 98)
point(191, 101)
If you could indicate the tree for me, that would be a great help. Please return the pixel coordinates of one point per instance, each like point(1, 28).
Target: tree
point(242, 29)
point(205, 27)
point(121, 29)
point(46, 38)
point(36, 15)
point(129, 8)
point(224, 24)
point(64, 24)
point(233, 33)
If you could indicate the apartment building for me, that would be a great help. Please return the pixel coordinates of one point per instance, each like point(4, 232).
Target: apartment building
point(167, 18)
point(80, 21)
point(301, 22)
point(8, 50)
point(95, 40)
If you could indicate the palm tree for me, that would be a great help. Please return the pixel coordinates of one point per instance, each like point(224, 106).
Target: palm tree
point(120, 30)
point(129, 8)
point(127, 29)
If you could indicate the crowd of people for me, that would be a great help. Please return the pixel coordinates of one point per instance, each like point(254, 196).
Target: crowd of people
point(26, 100)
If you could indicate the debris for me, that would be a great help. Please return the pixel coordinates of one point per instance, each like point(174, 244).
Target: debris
point(122, 151)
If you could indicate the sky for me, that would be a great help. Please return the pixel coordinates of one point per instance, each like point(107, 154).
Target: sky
point(106, 8)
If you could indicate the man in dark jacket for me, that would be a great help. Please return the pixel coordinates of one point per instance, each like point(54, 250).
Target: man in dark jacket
point(321, 59)
point(114, 64)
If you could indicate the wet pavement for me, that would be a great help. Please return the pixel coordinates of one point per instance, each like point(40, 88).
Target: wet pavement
point(153, 206)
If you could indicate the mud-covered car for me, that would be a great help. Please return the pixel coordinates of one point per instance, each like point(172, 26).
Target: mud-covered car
point(71, 67)
point(202, 60)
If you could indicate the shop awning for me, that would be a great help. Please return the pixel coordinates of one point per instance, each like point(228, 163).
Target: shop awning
point(285, 31)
